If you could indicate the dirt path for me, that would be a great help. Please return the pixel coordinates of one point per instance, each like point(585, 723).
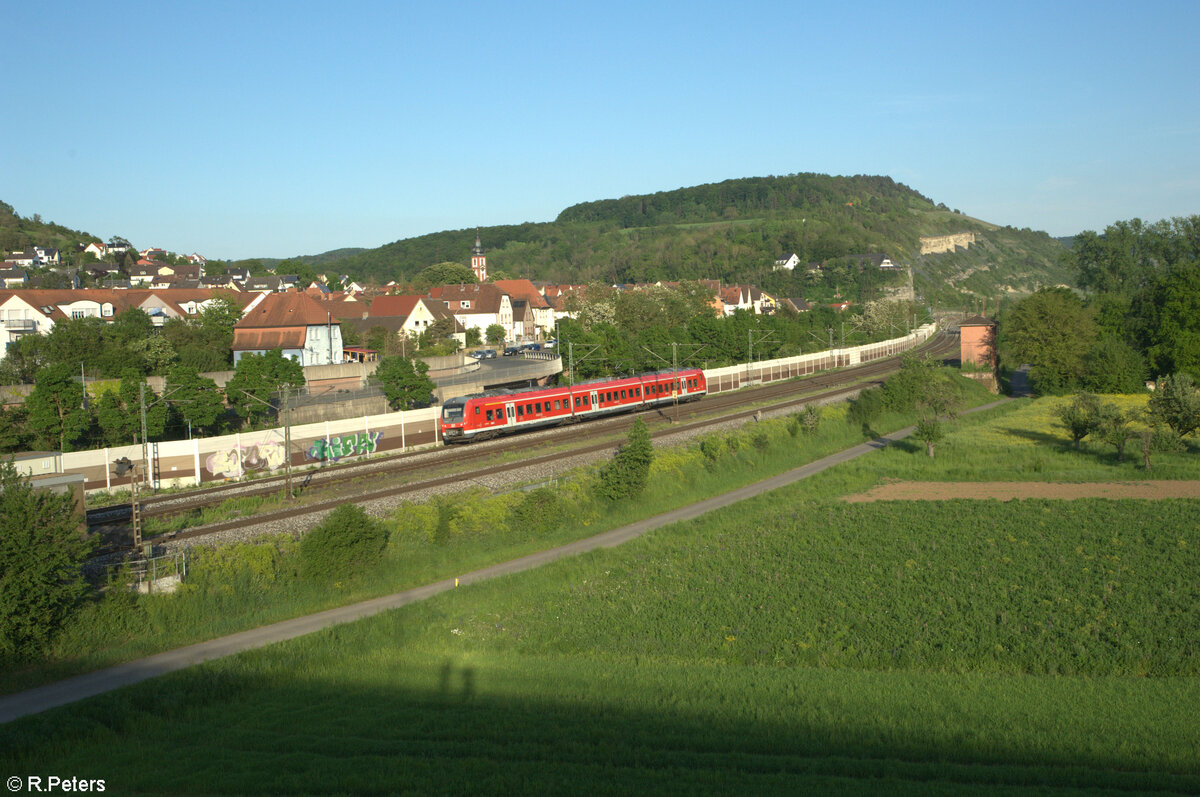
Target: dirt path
point(1007, 491)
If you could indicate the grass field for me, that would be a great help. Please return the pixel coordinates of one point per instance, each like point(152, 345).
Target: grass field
point(791, 644)
point(800, 653)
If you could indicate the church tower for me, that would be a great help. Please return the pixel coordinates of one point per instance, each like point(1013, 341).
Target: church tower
point(479, 260)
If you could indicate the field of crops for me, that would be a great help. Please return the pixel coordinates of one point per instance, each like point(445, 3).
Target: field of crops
point(803, 645)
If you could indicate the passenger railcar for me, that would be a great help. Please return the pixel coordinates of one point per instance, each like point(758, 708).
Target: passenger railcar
point(483, 415)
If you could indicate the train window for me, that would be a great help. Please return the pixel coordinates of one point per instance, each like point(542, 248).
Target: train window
point(520, 410)
point(530, 408)
point(577, 401)
point(587, 401)
point(477, 410)
point(557, 404)
point(547, 407)
point(490, 417)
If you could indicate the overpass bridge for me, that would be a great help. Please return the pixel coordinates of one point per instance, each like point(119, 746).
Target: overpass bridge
point(527, 368)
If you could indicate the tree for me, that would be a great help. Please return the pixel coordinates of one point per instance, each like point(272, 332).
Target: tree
point(1176, 403)
point(474, 338)
point(625, 475)
point(1113, 366)
point(196, 398)
point(1116, 428)
point(445, 273)
point(256, 378)
point(937, 397)
point(1053, 332)
point(495, 334)
point(205, 343)
point(1081, 417)
point(119, 412)
point(57, 414)
point(1167, 321)
point(1158, 437)
point(929, 431)
point(42, 549)
point(404, 383)
point(14, 429)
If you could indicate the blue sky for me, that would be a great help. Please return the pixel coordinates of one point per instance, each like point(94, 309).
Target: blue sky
point(262, 129)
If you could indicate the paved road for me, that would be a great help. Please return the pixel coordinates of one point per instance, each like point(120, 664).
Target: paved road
point(80, 687)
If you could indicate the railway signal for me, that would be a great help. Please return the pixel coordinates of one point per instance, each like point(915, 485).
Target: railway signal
point(122, 466)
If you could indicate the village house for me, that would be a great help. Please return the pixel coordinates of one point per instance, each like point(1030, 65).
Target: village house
point(788, 262)
point(538, 316)
point(300, 326)
point(477, 306)
point(35, 312)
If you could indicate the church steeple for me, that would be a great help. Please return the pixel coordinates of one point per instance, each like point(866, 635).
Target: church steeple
point(479, 260)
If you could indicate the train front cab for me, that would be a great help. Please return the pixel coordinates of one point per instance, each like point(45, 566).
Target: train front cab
point(454, 420)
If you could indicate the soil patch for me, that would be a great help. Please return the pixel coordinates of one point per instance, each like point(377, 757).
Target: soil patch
point(1008, 491)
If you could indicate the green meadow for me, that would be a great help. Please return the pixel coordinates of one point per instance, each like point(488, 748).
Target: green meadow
point(793, 643)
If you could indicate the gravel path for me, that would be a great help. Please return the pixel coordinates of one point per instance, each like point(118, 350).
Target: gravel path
point(1008, 491)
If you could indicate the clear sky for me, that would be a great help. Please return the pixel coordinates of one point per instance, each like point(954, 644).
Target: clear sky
point(271, 129)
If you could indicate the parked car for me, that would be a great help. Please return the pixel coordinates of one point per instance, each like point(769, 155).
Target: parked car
point(532, 347)
point(488, 354)
point(478, 355)
point(550, 344)
point(511, 350)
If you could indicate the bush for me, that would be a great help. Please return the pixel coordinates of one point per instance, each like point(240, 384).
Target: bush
point(538, 511)
point(626, 474)
point(865, 409)
point(42, 550)
point(347, 541)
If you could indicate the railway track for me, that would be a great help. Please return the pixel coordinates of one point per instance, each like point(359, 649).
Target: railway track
point(398, 475)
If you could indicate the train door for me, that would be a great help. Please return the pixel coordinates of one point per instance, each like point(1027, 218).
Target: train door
point(682, 387)
point(510, 414)
point(595, 400)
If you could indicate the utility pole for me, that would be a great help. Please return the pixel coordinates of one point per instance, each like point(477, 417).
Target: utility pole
point(145, 440)
point(675, 376)
point(287, 442)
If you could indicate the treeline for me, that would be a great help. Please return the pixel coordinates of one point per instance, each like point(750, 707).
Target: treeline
point(1136, 315)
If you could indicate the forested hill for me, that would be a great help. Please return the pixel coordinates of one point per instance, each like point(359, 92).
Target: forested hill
point(733, 231)
point(754, 196)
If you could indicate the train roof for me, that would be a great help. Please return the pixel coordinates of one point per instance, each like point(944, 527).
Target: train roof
point(522, 391)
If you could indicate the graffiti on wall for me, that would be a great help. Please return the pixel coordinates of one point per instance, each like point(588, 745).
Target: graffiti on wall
point(237, 460)
point(347, 445)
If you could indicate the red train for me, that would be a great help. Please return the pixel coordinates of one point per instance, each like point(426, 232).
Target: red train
point(484, 415)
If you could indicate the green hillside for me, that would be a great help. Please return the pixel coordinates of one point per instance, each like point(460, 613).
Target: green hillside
point(18, 233)
point(734, 230)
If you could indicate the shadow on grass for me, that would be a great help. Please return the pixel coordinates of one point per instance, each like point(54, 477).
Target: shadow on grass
point(281, 731)
point(1042, 438)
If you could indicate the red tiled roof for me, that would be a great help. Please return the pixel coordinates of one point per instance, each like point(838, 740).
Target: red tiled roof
point(267, 339)
point(393, 306)
point(285, 310)
point(523, 289)
point(484, 298)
